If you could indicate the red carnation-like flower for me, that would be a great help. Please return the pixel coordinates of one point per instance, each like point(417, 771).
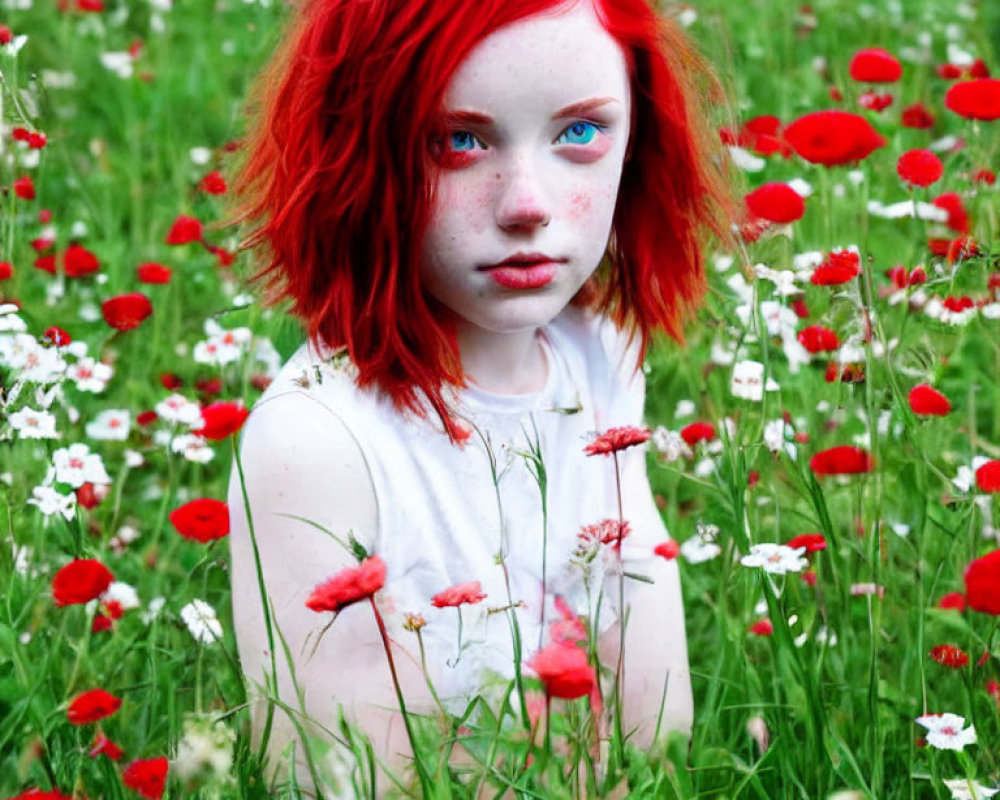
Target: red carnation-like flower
point(832, 138)
point(812, 542)
point(875, 65)
point(875, 101)
point(982, 584)
point(469, 593)
point(928, 401)
point(978, 99)
point(776, 202)
point(153, 273)
point(80, 581)
point(839, 268)
point(104, 746)
point(202, 520)
point(24, 188)
point(222, 420)
point(56, 336)
point(697, 432)
point(958, 217)
point(78, 262)
point(917, 116)
point(950, 656)
point(564, 669)
point(841, 460)
point(349, 586)
point(184, 231)
point(92, 706)
point(762, 627)
point(817, 339)
point(213, 183)
point(988, 477)
point(919, 167)
point(147, 776)
point(614, 440)
point(6, 270)
point(668, 550)
point(126, 311)
point(953, 600)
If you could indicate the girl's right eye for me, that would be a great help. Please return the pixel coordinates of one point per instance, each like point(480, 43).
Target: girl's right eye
point(463, 141)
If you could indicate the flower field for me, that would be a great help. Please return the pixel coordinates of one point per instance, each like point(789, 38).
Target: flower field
point(825, 448)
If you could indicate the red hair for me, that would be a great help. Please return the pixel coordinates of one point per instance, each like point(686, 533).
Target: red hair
point(336, 179)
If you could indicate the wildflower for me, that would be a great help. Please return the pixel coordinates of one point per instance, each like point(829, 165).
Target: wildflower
point(949, 656)
point(968, 789)
point(184, 231)
point(469, 593)
point(201, 620)
point(747, 380)
point(817, 339)
point(92, 706)
point(988, 476)
point(221, 420)
point(947, 731)
point(762, 627)
point(702, 546)
point(78, 261)
point(976, 99)
point(833, 137)
point(76, 465)
point(607, 531)
point(51, 501)
point(564, 669)
point(698, 432)
point(32, 424)
point(112, 424)
point(841, 267)
point(875, 101)
point(776, 559)
point(982, 584)
point(812, 542)
point(414, 622)
point(6, 270)
point(952, 600)
point(841, 460)
point(192, 447)
point(126, 311)
point(80, 581)
point(668, 550)
point(669, 444)
point(147, 776)
point(776, 202)
point(875, 65)
point(958, 217)
point(38, 794)
point(24, 188)
point(213, 183)
point(927, 401)
point(120, 596)
point(89, 375)
point(205, 749)
point(919, 167)
point(153, 273)
point(202, 520)
point(349, 586)
point(614, 440)
point(178, 409)
point(103, 745)
point(916, 116)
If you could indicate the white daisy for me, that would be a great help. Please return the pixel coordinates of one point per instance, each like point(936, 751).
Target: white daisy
point(777, 559)
point(112, 424)
point(32, 424)
point(76, 465)
point(947, 731)
point(201, 621)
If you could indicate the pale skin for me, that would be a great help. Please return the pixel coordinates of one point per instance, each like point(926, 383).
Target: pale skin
point(526, 186)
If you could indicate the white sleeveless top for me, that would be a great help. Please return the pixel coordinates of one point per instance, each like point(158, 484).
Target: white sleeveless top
point(438, 517)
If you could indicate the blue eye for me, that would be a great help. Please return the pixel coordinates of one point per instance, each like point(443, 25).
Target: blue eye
point(579, 133)
point(463, 141)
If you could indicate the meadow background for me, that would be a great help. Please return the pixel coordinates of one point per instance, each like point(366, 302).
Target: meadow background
point(806, 683)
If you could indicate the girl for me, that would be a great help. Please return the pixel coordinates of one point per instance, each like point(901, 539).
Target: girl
point(481, 212)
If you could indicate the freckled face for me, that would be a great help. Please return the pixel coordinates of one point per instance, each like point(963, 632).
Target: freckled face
point(528, 166)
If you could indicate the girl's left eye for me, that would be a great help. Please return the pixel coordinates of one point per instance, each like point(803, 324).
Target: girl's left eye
point(579, 133)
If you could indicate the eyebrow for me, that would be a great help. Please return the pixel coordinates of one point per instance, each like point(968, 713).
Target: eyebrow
point(572, 110)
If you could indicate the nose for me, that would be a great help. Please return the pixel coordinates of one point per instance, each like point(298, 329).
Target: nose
point(523, 203)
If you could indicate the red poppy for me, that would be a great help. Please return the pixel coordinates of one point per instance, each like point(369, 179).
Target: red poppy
point(24, 188)
point(222, 420)
point(103, 745)
point(37, 140)
point(833, 137)
point(978, 99)
point(875, 101)
point(817, 339)
point(80, 581)
point(469, 593)
point(949, 656)
point(953, 600)
point(875, 65)
point(614, 440)
point(38, 794)
point(958, 217)
point(170, 381)
point(349, 586)
point(153, 273)
point(919, 167)
point(184, 231)
point(213, 183)
point(6, 37)
point(988, 477)
point(101, 624)
point(917, 116)
point(697, 432)
point(202, 520)
point(927, 401)
point(126, 311)
point(92, 706)
point(776, 202)
point(840, 267)
point(147, 776)
point(762, 627)
point(983, 175)
point(78, 262)
point(668, 549)
point(564, 669)
point(841, 460)
point(812, 542)
point(982, 583)
point(6, 270)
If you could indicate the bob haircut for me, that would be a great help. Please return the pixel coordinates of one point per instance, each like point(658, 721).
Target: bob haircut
point(337, 181)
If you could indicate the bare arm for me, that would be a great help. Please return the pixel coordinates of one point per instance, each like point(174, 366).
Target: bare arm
point(300, 461)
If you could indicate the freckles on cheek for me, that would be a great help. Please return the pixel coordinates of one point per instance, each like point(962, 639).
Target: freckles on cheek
point(579, 204)
point(466, 206)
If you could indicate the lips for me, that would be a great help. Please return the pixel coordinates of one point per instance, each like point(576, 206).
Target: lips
point(524, 271)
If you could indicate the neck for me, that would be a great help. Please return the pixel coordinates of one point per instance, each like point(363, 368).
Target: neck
point(502, 363)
